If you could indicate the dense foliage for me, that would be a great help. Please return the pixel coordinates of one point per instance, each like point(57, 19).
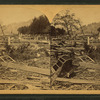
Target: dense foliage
point(92, 28)
point(39, 25)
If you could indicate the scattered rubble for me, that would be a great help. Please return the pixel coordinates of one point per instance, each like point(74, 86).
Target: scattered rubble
point(85, 77)
point(28, 65)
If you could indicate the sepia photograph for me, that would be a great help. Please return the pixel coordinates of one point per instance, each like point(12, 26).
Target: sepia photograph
point(49, 48)
point(75, 49)
point(24, 49)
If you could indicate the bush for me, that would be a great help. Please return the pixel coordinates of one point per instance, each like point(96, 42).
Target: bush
point(95, 54)
point(25, 52)
point(22, 52)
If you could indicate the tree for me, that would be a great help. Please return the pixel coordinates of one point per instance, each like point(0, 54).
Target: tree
point(68, 21)
point(98, 29)
point(56, 31)
point(23, 30)
point(39, 25)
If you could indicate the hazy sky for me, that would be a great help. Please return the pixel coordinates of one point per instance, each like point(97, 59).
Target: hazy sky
point(17, 13)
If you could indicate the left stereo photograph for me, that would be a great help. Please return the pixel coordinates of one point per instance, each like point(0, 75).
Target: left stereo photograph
point(24, 49)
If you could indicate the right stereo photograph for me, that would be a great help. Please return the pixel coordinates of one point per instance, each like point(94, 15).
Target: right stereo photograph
point(75, 49)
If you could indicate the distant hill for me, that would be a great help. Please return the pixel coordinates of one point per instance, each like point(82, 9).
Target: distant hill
point(91, 28)
point(12, 28)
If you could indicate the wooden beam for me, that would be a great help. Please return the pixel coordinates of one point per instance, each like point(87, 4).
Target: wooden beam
point(78, 81)
point(10, 58)
point(30, 84)
point(81, 59)
point(90, 58)
point(55, 75)
point(89, 65)
point(27, 68)
point(2, 59)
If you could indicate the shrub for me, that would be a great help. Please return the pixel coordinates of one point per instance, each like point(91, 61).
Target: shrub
point(25, 52)
point(95, 54)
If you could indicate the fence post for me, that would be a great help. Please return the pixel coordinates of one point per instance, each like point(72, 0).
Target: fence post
point(9, 42)
point(88, 41)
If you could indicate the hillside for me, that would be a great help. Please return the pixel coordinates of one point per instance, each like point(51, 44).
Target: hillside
point(12, 28)
point(91, 28)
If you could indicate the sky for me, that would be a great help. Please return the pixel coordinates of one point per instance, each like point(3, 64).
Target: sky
point(18, 13)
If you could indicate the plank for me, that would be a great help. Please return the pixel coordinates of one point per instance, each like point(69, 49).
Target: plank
point(2, 59)
point(27, 68)
point(90, 58)
point(78, 48)
point(76, 81)
point(89, 65)
point(60, 61)
point(54, 76)
point(30, 84)
point(81, 59)
point(9, 88)
point(88, 86)
point(10, 58)
point(19, 82)
point(79, 81)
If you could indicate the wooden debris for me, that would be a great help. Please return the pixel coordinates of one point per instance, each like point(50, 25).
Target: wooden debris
point(2, 59)
point(81, 59)
point(85, 57)
point(87, 86)
point(78, 81)
point(7, 57)
point(27, 68)
point(69, 88)
point(9, 88)
point(53, 78)
point(31, 87)
point(11, 58)
point(89, 65)
point(90, 59)
point(59, 66)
